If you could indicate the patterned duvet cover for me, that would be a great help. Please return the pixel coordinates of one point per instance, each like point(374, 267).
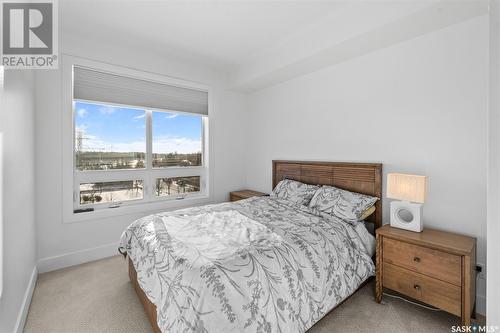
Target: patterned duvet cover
point(256, 265)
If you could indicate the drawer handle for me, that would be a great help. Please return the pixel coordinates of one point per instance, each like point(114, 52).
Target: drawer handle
point(416, 287)
point(416, 259)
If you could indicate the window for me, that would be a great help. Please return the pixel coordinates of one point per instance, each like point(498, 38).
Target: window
point(109, 138)
point(131, 146)
point(177, 186)
point(109, 192)
point(177, 140)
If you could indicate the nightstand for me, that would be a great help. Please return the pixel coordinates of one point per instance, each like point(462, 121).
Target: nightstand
point(244, 194)
point(434, 267)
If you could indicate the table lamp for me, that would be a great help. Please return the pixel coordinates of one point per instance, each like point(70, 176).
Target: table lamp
point(411, 189)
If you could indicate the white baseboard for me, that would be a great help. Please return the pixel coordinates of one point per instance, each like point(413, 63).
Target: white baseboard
point(78, 257)
point(23, 312)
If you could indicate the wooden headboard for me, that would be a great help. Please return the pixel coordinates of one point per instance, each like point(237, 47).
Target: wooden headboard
point(363, 178)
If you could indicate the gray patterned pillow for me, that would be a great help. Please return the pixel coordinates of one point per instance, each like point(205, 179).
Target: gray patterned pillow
point(294, 191)
point(349, 206)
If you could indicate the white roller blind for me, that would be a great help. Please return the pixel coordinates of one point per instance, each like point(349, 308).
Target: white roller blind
point(93, 85)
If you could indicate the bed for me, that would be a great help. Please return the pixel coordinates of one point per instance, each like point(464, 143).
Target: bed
point(257, 265)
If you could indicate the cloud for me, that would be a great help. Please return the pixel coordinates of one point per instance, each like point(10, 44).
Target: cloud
point(82, 113)
point(140, 116)
point(176, 144)
point(107, 110)
point(136, 146)
point(81, 127)
point(162, 145)
point(170, 115)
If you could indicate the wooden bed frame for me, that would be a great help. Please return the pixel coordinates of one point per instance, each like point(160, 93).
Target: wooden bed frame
point(363, 178)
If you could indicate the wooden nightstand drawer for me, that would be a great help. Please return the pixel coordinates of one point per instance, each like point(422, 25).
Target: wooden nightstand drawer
point(423, 288)
point(440, 265)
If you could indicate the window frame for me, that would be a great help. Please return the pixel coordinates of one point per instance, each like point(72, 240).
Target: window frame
point(148, 174)
point(72, 178)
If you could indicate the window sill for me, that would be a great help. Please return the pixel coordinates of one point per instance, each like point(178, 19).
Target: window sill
point(148, 208)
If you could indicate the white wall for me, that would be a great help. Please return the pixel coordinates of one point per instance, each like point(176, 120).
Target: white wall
point(17, 123)
point(61, 244)
point(493, 306)
point(418, 107)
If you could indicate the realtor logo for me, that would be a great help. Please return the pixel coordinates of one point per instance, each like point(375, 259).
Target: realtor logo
point(29, 34)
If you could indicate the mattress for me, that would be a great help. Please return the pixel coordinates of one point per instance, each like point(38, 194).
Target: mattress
point(255, 265)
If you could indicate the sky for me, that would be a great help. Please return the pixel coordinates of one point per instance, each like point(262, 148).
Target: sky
point(120, 129)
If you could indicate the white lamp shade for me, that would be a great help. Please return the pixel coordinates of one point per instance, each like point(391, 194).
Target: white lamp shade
point(406, 187)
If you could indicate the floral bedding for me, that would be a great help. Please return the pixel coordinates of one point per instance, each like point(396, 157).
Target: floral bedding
point(257, 265)
point(349, 206)
point(294, 191)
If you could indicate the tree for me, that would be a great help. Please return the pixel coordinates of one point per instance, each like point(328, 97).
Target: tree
point(158, 187)
point(136, 186)
point(168, 182)
point(182, 184)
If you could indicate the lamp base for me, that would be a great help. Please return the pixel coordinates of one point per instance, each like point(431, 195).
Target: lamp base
point(407, 215)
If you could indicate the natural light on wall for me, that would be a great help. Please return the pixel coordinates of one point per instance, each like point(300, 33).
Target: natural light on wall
point(1, 215)
point(1, 76)
point(1, 198)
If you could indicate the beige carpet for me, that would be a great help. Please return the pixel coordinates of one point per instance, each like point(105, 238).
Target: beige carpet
point(98, 297)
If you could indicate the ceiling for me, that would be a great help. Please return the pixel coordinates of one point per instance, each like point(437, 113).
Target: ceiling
point(260, 43)
point(219, 33)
